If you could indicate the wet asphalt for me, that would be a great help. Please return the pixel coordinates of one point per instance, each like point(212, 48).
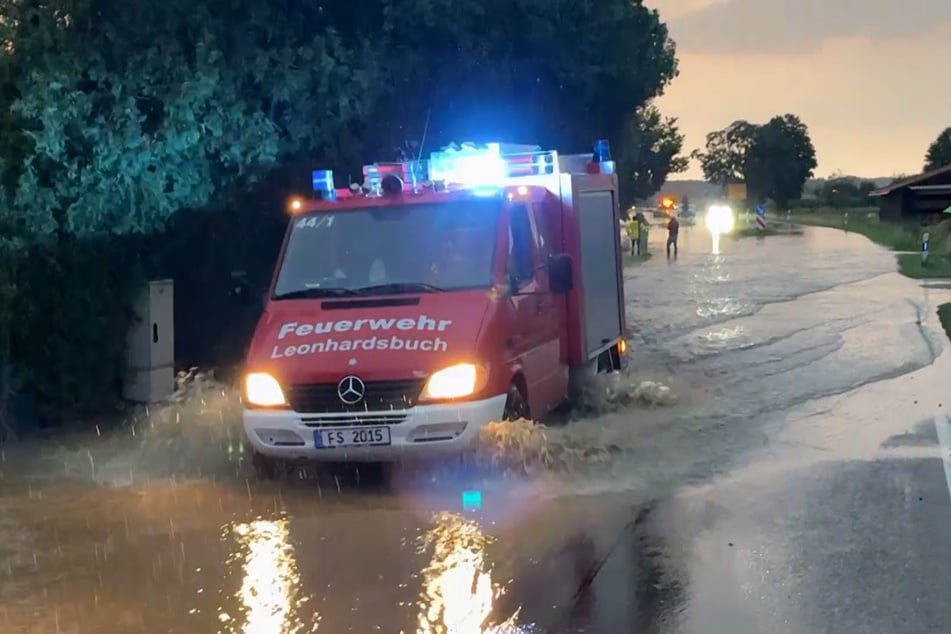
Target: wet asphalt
point(799, 485)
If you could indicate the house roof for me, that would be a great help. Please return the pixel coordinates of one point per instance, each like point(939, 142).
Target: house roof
point(910, 180)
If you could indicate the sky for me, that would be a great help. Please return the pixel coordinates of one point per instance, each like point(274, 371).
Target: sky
point(869, 78)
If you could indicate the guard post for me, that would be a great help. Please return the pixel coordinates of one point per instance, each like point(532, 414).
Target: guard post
point(761, 217)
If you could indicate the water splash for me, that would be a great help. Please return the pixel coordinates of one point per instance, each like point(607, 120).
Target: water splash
point(197, 433)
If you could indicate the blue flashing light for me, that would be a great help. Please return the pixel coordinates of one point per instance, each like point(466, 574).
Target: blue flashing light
point(323, 183)
point(471, 500)
point(491, 165)
point(469, 166)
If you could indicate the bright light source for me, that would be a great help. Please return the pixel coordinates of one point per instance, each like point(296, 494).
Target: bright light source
point(471, 500)
point(296, 204)
point(469, 166)
point(720, 219)
point(455, 381)
point(263, 390)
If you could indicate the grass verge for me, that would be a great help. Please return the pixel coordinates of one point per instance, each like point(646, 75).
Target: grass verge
point(910, 265)
point(944, 316)
point(898, 236)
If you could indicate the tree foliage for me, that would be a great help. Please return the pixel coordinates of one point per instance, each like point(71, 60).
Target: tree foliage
point(118, 115)
point(724, 161)
point(135, 110)
point(557, 72)
point(652, 150)
point(845, 192)
point(939, 152)
point(774, 159)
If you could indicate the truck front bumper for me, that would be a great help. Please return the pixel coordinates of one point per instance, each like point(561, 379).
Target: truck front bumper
point(422, 431)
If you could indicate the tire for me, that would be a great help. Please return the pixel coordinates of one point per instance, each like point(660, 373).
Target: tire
point(515, 405)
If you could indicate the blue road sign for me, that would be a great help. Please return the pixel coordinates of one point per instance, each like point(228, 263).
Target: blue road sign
point(760, 210)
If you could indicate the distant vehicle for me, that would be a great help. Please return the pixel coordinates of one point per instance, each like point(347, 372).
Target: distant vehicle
point(405, 316)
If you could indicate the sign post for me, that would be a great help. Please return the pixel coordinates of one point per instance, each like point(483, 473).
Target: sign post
point(761, 217)
point(925, 238)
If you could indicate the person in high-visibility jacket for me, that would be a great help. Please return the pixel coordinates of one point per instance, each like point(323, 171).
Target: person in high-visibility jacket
point(634, 234)
point(644, 228)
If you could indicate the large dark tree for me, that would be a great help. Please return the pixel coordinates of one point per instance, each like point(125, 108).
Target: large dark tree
point(939, 152)
point(780, 160)
point(557, 72)
point(117, 114)
point(723, 160)
point(774, 159)
point(652, 148)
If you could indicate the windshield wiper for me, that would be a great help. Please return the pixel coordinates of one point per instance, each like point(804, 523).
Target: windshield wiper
point(312, 293)
point(401, 287)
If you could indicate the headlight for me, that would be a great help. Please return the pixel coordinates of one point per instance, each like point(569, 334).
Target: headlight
point(456, 381)
point(720, 219)
point(263, 390)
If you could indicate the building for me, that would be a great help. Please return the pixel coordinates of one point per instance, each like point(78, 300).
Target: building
point(918, 196)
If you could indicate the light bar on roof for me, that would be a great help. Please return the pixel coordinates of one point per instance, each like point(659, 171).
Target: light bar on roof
point(412, 173)
point(491, 165)
point(469, 166)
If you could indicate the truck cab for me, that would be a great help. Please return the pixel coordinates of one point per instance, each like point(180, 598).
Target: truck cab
point(405, 316)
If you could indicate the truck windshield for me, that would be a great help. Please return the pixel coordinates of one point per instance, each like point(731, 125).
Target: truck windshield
point(415, 248)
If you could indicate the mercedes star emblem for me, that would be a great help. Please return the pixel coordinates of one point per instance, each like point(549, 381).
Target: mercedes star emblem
point(351, 389)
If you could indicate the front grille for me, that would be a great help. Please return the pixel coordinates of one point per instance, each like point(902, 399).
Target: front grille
point(353, 420)
point(322, 398)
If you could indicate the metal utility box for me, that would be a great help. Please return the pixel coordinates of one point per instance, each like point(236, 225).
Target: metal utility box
point(151, 345)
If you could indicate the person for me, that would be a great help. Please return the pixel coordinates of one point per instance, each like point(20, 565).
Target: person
point(643, 228)
point(634, 234)
point(673, 229)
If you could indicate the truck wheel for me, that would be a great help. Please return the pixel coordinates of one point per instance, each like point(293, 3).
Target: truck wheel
point(515, 405)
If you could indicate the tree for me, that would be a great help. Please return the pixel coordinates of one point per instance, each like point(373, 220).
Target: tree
point(841, 192)
point(651, 151)
point(774, 159)
point(780, 160)
point(724, 160)
point(117, 114)
point(939, 152)
point(560, 73)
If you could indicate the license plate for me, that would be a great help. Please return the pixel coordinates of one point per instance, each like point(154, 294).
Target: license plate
point(352, 437)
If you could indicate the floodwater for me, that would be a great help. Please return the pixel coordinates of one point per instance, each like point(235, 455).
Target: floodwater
point(772, 463)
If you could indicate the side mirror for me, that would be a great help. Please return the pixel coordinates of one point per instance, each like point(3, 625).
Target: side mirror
point(560, 278)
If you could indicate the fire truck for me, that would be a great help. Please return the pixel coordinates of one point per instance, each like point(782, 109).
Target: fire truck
point(483, 284)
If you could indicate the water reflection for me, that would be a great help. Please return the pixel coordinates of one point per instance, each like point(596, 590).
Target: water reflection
point(458, 592)
point(269, 596)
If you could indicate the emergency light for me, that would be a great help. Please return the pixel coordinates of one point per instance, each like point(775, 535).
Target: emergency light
point(492, 165)
point(412, 173)
point(323, 183)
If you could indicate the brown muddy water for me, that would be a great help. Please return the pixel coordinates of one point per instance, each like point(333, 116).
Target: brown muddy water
point(162, 528)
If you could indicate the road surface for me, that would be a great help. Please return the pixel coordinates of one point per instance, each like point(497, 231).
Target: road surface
point(800, 484)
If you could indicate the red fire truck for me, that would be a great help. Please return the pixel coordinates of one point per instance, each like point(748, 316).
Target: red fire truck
point(481, 285)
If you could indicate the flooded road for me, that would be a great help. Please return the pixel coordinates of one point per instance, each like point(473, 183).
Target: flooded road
point(795, 484)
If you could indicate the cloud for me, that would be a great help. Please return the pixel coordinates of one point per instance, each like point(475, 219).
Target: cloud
point(778, 26)
point(846, 91)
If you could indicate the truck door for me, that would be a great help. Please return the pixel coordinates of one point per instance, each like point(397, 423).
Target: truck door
point(550, 314)
point(535, 339)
